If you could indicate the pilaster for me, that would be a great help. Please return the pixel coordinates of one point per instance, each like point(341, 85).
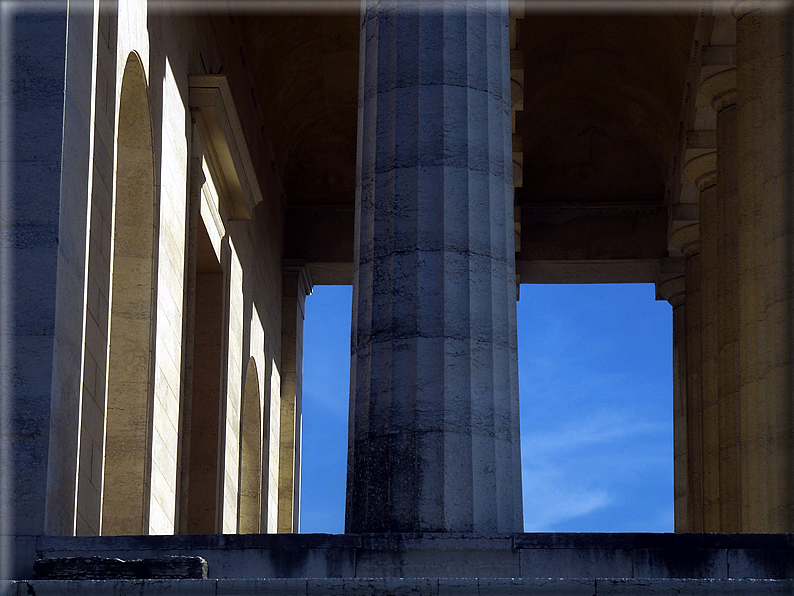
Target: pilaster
point(297, 285)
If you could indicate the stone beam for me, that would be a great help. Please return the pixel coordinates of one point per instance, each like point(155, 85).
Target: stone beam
point(589, 231)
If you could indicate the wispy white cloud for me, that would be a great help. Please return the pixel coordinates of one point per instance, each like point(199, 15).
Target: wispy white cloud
point(587, 430)
point(552, 497)
point(582, 466)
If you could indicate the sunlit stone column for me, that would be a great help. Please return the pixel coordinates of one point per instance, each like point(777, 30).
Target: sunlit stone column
point(764, 120)
point(433, 442)
point(297, 284)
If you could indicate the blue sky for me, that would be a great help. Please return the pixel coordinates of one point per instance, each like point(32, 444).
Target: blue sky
point(595, 382)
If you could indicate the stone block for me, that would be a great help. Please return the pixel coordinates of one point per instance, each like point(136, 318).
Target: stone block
point(114, 587)
point(458, 587)
point(576, 562)
point(80, 568)
point(680, 563)
point(407, 555)
point(261, 587)
point(536, 587)
point(279, 556)
point(761, 563)
point(693, 587)
point(372, 587)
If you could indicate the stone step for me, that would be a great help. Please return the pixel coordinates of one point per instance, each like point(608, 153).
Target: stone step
point(399, 587)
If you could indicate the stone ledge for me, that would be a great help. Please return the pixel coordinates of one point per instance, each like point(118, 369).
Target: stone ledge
point(399, 587)
point(636, 556)
point(105, 568)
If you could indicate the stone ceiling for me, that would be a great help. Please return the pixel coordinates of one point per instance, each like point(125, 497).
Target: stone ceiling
point(602, 103)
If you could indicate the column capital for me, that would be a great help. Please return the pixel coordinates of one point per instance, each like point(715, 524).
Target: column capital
point(702, 170)
point(739, 8)
point(686, 239)
point(719, 89)
point(298, 268)
point(671, 285)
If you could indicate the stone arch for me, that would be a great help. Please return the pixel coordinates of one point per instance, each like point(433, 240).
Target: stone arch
point(250, 495)
point(125, 498)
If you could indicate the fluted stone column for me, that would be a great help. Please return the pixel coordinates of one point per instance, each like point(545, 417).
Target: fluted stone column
point(433, 442)
point(719, 91)
point(764, 120)
point(686, 240)
point(709, 320)
point(673, 289)
point(702, 331)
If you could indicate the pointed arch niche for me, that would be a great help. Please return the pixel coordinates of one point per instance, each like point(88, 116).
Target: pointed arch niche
point(125, 500)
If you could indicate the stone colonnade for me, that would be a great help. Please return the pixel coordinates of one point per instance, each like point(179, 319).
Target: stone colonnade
point(161, 329)
point(434, 406)
point(731, 305)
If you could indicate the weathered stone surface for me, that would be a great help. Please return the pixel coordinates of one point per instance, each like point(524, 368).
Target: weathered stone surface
point(527, 556)
point(444, 555)
point(400, 587)
point(699, 587)
point(434, 404)
point(82, 568)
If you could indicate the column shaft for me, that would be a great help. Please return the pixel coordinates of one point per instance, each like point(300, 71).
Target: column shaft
point(764, 88)
point(434, 393)
point(709, 266)
point(680, 451)
point(727, 316)
point(694, 410)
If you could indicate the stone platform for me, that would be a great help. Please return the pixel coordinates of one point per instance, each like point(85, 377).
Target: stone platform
point(355, 557)
point(401, 587)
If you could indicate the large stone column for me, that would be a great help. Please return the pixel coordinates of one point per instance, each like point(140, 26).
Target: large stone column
point(719, 90)
point(672, 287)
point(709, 325)
point(687, 399)
point(700, 251)
point(764, 120)
point(434, 442)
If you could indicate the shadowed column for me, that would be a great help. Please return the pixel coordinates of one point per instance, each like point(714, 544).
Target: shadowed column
point(433, 442)
point(701, 170)
point(764, 124)
point(719, 90)
point(673, 289)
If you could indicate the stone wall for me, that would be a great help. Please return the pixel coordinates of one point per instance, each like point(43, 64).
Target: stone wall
point(115, 167)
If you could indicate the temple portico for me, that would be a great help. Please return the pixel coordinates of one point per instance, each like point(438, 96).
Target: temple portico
point(175, 178)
